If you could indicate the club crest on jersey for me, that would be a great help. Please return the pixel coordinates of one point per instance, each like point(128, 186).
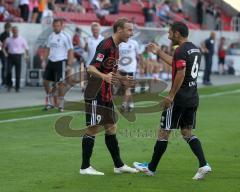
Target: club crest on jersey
point(100, 57)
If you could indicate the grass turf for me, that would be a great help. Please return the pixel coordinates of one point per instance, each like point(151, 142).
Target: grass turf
point(34, 158)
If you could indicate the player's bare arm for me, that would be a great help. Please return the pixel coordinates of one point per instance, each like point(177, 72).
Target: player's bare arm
point(70, 57)
point(175, 87)
point(154, 48)
point(109, 78)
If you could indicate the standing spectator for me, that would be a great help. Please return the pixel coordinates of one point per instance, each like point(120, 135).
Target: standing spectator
point(24, 9)
point(16, 46)
point(93, 41)
point(60, 58)
point(221, 55)
point(41, 8)
point(199, 9)
point(149, 11)
point(33, 8)
point(78, 47)
point(208, 50)
point(3, 54)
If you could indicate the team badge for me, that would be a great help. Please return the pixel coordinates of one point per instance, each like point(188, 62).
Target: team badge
point(100, 57)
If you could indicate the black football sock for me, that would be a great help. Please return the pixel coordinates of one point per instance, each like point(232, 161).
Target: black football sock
point(112, 145)
point(87, 148)
point(159, 149)
point(196, 147)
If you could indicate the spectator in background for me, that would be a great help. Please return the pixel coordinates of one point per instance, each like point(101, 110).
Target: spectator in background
point(93, 41)
point(3, 54)
point(199, 11)
point(218, 22)
point(16, 47)
point(33, 8)
point(100, 7)
point(78, 51)
point(24, 9)
point(149, 10)
point(163, 12)
point(41, 7)
point(208, 50)
point(114, 6)
point(221, 55)
point(5, 16)
point(75, 6)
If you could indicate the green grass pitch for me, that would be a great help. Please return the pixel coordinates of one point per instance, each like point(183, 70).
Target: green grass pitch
point(34, 158)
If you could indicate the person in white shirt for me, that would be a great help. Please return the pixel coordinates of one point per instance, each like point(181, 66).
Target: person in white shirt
point(128, 59)
point(15, 46)
point(60, 59)
point(91, 45)
point(93, 41)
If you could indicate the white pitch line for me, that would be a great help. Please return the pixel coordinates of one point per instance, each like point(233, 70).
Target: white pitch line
point(38, 117)
point(220, 93)
point(73, 112)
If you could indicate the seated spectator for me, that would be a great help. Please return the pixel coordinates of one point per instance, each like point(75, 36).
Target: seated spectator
point(75, 6)
point(100, 7)
point(5, 16)
point(33, 8)
point(163, 11)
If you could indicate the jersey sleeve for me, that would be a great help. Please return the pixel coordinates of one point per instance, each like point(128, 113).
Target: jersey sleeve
point(99, 57)
point(69, 44)
point(181, 56)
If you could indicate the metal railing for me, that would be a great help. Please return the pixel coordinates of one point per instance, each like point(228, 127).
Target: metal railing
point(235, 24)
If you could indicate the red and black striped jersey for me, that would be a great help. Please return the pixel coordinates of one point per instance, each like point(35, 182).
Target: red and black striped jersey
point(106, 61)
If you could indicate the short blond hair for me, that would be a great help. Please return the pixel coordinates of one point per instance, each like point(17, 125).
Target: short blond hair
point(95, 24)
point(120, 23)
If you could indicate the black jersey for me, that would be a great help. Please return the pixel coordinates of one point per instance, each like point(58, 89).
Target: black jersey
point(187, 56)
point(105, 60)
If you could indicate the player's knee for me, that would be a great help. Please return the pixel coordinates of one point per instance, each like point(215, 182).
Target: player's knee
point(92, 131)
point(110, 129)
point(186, 134)
point(163, 134)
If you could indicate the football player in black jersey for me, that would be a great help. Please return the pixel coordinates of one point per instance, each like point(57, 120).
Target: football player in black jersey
point(180, 106)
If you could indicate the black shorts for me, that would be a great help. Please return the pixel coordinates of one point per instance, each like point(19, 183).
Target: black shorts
point(55, 71)
point(177, 116)
point(221, 61)
point(99, 112)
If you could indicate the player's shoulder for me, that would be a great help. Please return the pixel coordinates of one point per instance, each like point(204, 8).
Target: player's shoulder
point(106, 43)
point(65, 35)
point(187, 46)
point(133, 41)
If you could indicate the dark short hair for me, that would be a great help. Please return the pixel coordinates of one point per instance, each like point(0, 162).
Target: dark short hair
point(120, 23)
point(56, 20)
point(180, 27)
point(7, 25)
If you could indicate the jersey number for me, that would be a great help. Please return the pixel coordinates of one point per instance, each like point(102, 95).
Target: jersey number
point(195, 68)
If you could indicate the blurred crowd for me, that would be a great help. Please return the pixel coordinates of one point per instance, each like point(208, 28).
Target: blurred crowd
point(157, 13)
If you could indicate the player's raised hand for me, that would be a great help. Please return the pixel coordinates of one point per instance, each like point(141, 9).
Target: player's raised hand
point(153, 47)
